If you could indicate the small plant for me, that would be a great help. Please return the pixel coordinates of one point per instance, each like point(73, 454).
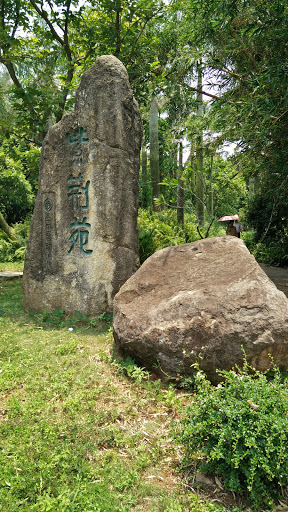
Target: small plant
point(239, 431)
point(130, 368)
point(105, 317)
point(187, 382)
point(55, 318)
point(70, 347)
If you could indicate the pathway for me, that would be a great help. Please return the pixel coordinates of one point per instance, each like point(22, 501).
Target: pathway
point(10, 275)
point(279, 276)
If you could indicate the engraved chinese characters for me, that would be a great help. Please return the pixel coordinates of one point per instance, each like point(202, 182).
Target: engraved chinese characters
point(83, 242)
point(80, 233)
point(76, 139)
point(75, 191)
point(78, 193)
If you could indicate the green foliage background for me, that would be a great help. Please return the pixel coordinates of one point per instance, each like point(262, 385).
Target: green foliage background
point(44, 50)
point(159, 230)
point(16, 195)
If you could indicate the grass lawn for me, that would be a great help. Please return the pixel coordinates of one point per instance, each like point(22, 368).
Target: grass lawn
point(76, 433)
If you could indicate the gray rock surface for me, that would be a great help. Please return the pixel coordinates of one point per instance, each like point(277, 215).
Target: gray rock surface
point(83, 242)
point(206, 299)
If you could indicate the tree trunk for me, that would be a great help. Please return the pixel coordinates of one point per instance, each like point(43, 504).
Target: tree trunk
point(199, 154)
point(154, 152)
point(174, 166)
point(6, 228)
point(180, 188)
point(117, 28)
point(192, 177)
point(144, 176)
point(211, 193)
point(251, 187)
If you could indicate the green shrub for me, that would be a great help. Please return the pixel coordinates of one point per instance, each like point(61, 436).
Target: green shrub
point(239, 431)
point(271, 252)
point(16, 195)
point(14, 250)
point(160, 229)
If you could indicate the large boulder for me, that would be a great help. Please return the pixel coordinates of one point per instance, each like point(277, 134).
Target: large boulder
point(201, 301)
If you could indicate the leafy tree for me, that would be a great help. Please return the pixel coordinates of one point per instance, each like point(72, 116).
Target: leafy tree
point(244, 47)
point(199, 152)
point(35, 48)
point(46, 46)
point(128, 29)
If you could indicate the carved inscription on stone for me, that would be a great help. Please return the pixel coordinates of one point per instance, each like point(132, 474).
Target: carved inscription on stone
point(77, 139)
point(80, 235)
point(78, 194)
point(48, 226)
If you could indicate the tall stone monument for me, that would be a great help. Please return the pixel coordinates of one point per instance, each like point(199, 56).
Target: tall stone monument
point(83, 242)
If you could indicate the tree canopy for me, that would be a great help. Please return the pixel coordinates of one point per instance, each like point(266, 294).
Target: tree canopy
point(240, 48)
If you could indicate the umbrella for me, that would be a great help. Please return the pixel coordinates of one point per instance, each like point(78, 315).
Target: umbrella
point(228, 217)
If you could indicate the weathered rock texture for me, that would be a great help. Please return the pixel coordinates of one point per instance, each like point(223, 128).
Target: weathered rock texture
point(83, 242)
point(207, 298)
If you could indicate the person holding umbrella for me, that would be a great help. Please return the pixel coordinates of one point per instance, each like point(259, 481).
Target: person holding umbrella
point(231, 229)
point(234, 226)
